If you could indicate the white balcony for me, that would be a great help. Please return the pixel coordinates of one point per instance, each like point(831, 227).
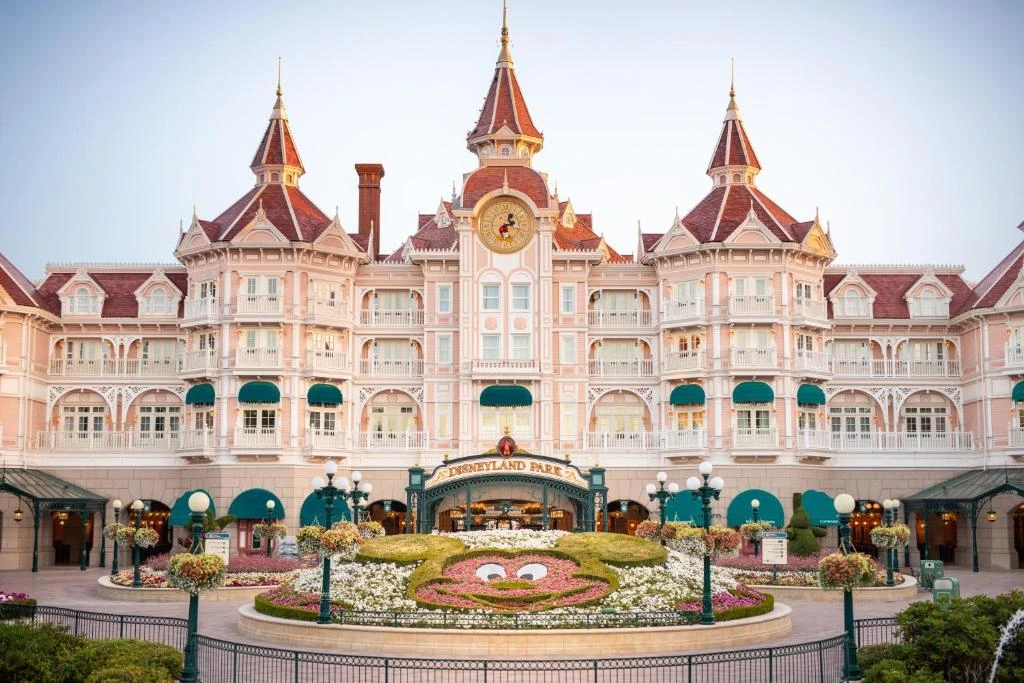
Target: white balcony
point(895, 368)
point(752, 304)
point(204, 360)
point(679, 361)
point(107, 441)
point(682, 311)
point(809, 309)
point(755, 437)
point(326, 439)
point(328, 310)
point(621, 441)
point(1016, 437)
point(149, 367)
point(812, 361)
point(1014, 355)
point(843, 307)
point(326, 360)
point(749, 357)
point(260, 304)
point(903, 441)
point(83, 367)
point(382, 367)
point(505, 365)
point(257, 437)
point(607, 319)
point(379, 317)
point(257, 357)
point(194, 439)
point(814, 438)
point(680, 439)
point(859, 367)
point(199, 309)
point(640, 367)
point(391, 440)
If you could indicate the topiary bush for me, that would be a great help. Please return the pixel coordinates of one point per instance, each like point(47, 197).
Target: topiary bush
point(154, 662)
point(34, 655)
point(803, 538)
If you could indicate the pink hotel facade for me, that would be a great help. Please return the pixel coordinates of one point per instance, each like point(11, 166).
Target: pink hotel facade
point(279, 340)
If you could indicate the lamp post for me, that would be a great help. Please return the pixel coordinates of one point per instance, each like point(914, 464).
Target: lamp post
point(888, 512)
point(707, 491)
point(137, 506)
point(357, 494)
point(198, 503)
point(754, 505)
point(117, 519)
point(844, 504)
point(894, 553)
point(661, 494)
point(328, 493)
point(270, 520)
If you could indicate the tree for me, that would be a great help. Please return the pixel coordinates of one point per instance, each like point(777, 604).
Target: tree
point(803, 538)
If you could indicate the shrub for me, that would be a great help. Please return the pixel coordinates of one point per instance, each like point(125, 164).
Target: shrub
point(803, 538)
point(286, 603)
point(158, 563)
point(615, 549)
point(869, 655)
point(34, 655)
point(129, 674)
point(895, 671)
point(261, 563)
point(117, 660)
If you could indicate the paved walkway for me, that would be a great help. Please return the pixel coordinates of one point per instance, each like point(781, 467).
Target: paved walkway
point(77, 589)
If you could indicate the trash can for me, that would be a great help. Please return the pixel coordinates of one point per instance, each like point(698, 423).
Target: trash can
point(944, 589)
point(931, 570)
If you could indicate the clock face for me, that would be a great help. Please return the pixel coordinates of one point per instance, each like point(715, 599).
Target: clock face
point(505, 226)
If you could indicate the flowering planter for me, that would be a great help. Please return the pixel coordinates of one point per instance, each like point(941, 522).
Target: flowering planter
point(510, 644)
point(901, 592)
point(110, 591)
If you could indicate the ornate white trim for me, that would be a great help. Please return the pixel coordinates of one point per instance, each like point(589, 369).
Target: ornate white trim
point(368, 392)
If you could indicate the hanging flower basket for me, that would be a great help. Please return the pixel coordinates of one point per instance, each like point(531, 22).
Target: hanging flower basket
point(691, 541)
point(308, 539)
point(371, 529)
point(845, 572)
point(113, 531)
point(195, 573)
point(125, 534)
point(895, 536)
point(273, 531)
point(752, 530)
point(648, 530)
point(725, 541)
point(344, 541)
point(145, 538)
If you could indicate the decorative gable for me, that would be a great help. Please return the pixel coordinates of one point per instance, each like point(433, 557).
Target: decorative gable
point(81, 295)
point(751, 231)
point(677, 237)
point(1014, 294)
point(158, 296)
point(929, 297)
point(852, 297)
point(335, 237)
point(568, 216)
point(193, 238)
point(817, 240)
point(259, 231)
point(442, 218)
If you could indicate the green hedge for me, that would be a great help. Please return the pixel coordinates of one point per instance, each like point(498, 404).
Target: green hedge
point(766, 606)
point(615, 549)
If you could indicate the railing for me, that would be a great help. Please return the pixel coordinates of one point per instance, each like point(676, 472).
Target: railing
point(674, 311)
point(684, 438)
point(923, 308)
point(200, 308)
point(107, 441)
point(609, 441)
point(106, 367)
point(260, 303)
point(257, 357)
point(382, 317)
point(198, 361)
point(755, 437)
point(808, 308)
point(324, 359)
point(876, 631)
point(196, 438)
point(487, 364)
point(851, 308)
point(1016, 437)
point(325, 438)
point(813, 438)
point(859, 367)
point(684, 360)
point(392, 440)
point(634, 318)
point(903, 441)
point(1014, 355)
point(331, 309)
point(171, 631)
point(486, 621)
point(818, 361)
point(763, 304)
point(257, 437)
point(895, 368)
point(639, 367)
point(149, 367)
point(382, 367)
point(746, 357)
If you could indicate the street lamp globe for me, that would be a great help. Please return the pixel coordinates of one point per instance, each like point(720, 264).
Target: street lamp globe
point(331, 467)
point(693, 483)
point(717, 483)
point(318, 483)
point(270, 506)
point(673, 488)
point(137, 505)
point(357, 476)
point(651, 489)
point(706, 468)
point(845, 503)
point(887, 504)
point(368, 488)
point(895, 503)
point(343, 483)
point(199, 502)
point(755, 503)
point(662, 477)
point(117, 504)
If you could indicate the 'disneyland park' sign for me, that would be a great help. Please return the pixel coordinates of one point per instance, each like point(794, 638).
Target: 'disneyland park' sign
point(514, 465)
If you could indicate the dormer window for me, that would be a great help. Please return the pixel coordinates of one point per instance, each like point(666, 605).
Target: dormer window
point(159, 303)
point(263, 177)
point(929, 305)
point(852, 305)
point(275, 177)
point(83, 302)
point(735, 177)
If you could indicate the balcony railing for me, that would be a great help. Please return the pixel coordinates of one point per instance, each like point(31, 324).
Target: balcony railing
point(200, 308)
point(197, 438)
point(382, 367)
point(677, 439)
point(614, 441)
point(326, 438)
point(392, 440)
point(874, 367)
point(329, 309)
point(257, 437)
point(149, 367)
point(641, 367)
point(752, 304)
point(124, 367)
point(749, 357)
point(817, 361)
point(810, 309)
point(851, 308)
point(270, 304)
point(903, 441)
point(107, 441)
point(633, 318)
point(257, 357)
point(505, 365)
point(755, 437)
point(204, 360)
point(813, 438)
point(380, 317)
point(1014, 355)
point(328, 360)
point(683, 360)
point(1016, 437)
point(680, 311)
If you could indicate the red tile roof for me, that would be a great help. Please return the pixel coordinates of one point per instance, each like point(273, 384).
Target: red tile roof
point(994, 285)
point(119, 287)
point(277, 145)
point(489, 178)
point(733, 147)
point(18, 287)
point(581, 236)
point(504, 105)
point(891, 288)
point(724, 208)
point(650, 239)
point(290, 211)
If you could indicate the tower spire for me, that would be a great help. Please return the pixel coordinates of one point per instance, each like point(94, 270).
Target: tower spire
point(277, 159)
point(504, 57)
point(732, 111)
point(733, 160)
point(279, 93)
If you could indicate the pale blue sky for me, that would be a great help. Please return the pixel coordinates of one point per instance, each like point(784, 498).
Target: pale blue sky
point(901, 120)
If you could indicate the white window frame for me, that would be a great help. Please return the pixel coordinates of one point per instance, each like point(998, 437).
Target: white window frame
point(488, 352)
point(568, 304)
point(520, 296)
point(443, 420)
point(521, 347)
point(490, 301)
point(444, 298)
point(444, 349)
point(567, 349)
point(567, 420)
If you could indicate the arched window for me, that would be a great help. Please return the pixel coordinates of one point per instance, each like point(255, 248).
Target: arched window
point(721, 180)
point(853, 303)
point(735, 177)
point(159, 302)
point(275, 177)
point(83, 301)
point(523, 152)
point(506, 151)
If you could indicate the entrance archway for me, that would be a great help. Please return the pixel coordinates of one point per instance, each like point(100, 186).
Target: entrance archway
point(68, 537)
point(623, 516)
point(391, 515)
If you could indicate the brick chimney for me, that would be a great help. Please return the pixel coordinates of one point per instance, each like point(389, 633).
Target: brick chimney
point(369, 203)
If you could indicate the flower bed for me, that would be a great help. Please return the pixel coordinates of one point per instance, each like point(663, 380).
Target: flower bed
point(16, 605)
point(799, 572)
point(243, 571)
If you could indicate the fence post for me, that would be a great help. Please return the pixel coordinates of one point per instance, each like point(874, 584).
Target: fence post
point(771, 665)
point(485, 671)
point(75, 631)
point(120, 630)
point(821, 663)
point(234, 662)
point(296, 653)
point(689, 668)
point(387, 670)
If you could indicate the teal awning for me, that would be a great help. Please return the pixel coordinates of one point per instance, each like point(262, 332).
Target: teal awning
point(180, 514)
point(683, 508)
point(820, 507)
point(504, 395)
point(1018, 392)
point(810, 395)
point(200, 395)
point(315, 512)
point(687, 395)
point(770, 509)
point(752, 392)
point(323, 395)
point(252, 504)
point(259, 392)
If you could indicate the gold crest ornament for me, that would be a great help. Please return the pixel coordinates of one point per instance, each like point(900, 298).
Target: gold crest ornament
point(505, 226)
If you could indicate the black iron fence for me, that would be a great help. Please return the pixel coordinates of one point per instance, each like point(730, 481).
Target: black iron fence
point(167, 630)
point(876, 631)
point(539, 620)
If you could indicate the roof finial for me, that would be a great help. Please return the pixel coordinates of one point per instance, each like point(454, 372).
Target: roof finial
point(817, 215)
point(279, 93)
point(732, 85)
point(504, 57)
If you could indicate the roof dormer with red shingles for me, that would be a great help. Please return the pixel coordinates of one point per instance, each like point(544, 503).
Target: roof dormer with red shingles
point(118, 284)
point(891, 284)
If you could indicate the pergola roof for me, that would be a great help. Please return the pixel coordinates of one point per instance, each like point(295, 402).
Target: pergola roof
point(43, 487)
point(972, 487)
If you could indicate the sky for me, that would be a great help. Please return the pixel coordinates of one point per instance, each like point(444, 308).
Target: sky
point(899, 121)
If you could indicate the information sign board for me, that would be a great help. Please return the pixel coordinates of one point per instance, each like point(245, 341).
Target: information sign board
point(774, 547)
point(217, 543)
